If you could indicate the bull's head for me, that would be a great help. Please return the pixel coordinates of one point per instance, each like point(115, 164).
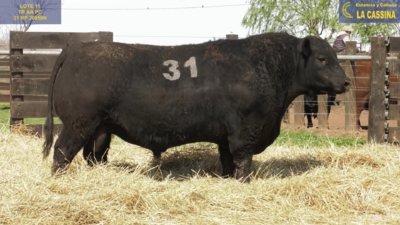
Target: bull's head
point(319, 68)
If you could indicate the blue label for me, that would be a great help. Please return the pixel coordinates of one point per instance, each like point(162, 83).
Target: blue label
point(369, 11)
point(30, 12)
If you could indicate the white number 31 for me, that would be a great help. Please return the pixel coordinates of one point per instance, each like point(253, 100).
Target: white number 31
point(173, 67)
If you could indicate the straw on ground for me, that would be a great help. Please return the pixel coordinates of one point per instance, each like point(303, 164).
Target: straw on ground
point(289, 185)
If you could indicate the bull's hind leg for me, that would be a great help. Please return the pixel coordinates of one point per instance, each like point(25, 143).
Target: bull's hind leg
point(157, 155)
point(309, 121)
point(65, 149)
point(226, 158)
point(96, 150)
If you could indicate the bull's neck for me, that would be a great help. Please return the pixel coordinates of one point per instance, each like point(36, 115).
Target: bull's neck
point(296, 88)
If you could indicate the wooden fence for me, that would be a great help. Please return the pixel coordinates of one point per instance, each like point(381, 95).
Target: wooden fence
point(384, 95)
point(4, 78)
point(30, 74)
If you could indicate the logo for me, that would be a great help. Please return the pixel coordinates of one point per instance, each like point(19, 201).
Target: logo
point(369, 11)
point(344, 10)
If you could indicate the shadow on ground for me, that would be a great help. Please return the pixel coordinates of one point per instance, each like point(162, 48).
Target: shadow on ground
point(183, 165)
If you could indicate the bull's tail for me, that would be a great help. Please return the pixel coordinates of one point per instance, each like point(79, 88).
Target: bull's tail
point(48, 126)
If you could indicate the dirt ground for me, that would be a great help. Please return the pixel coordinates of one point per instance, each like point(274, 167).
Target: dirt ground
point(336, 124)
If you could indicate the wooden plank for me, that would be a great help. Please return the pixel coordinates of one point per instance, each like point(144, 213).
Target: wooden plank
point(5, 92)
point(4, 98)
point(5, 80)
point(5, 63)
point(394, 66)
point(27, 86)
point(394, 90)
point(30, 75)
point(394, 134)
point(298, 108)
point(394, 46)
point(323, 111)
point(376, 118)
point(232, 36)
point(350, 96)
point(24, 109)
point(33, 98)
point(32, 63)
point(4, 86)
point(394, 112)
point(49, 40)
point(37, 129)
point(286, 117)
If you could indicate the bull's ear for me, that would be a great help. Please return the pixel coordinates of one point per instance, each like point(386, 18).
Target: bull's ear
point(305, 47)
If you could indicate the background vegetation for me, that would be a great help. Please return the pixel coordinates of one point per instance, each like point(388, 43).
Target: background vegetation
point(308, 17)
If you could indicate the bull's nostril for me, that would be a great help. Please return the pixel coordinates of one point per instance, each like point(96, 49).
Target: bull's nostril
point(347, 83)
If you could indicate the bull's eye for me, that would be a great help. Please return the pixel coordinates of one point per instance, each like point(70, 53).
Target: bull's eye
point(321, 59)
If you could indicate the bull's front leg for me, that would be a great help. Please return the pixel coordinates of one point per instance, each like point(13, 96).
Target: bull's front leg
point(241, 147)
point(242, 160)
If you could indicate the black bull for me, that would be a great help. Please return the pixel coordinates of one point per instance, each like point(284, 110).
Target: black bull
point(230, 92)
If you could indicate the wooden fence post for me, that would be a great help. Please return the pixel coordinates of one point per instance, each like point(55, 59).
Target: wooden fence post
point(350, 96)
point(376, 118)
point(232, 36)
point(16, 51)
point(298, 109)
point(323, 111)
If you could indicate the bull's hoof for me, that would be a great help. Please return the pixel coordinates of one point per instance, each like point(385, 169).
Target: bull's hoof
point(156, 161)
point(58, 170)
point(245, 180)
point(226, 175)
point(91, 161)
point(243, 177)
point(309, 126)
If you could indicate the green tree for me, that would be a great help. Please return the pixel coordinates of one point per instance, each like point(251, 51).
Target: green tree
point(308, 17)
point(297, 17)
point(364, 31)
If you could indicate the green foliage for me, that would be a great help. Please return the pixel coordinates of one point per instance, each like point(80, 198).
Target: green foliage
point(308, 17)
point(297, 17)
point(5, 114)
point(365, 31)
point(312, 140)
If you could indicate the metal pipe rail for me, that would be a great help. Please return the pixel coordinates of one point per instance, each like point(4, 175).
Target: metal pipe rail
point(360, 58)
point(33, 52)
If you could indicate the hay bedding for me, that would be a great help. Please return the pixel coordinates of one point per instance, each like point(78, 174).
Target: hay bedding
point(289, 185)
